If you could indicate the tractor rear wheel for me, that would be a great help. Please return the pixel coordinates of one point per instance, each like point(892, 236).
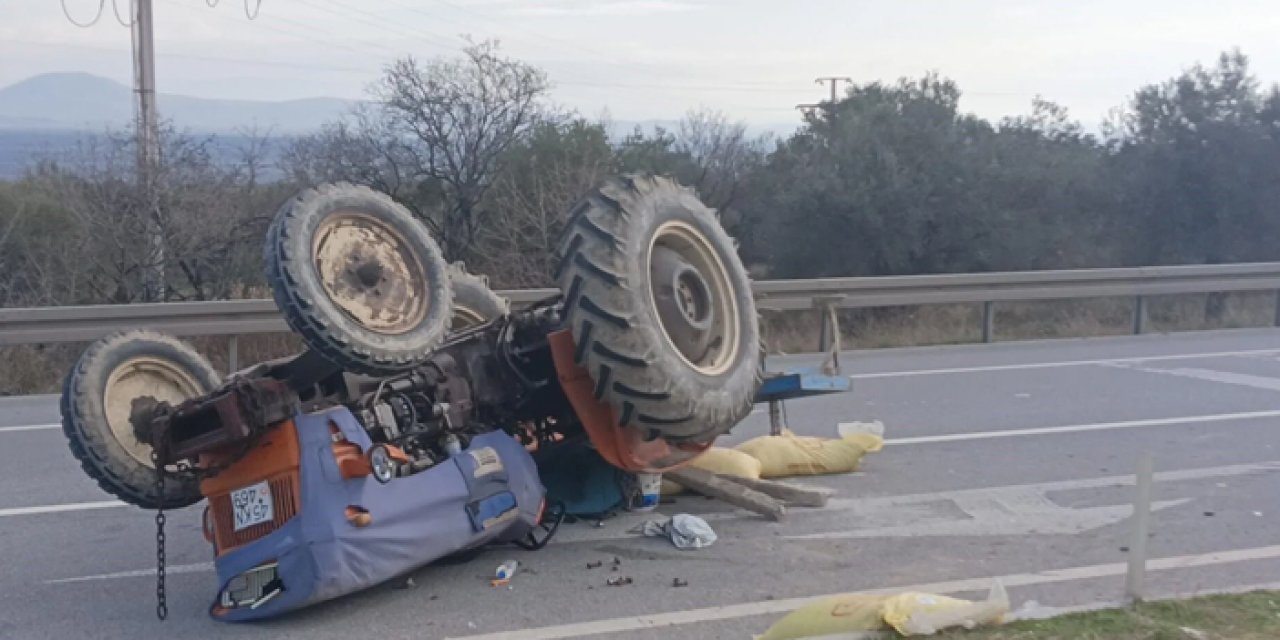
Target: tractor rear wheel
point(660, 308)
point(109, 390)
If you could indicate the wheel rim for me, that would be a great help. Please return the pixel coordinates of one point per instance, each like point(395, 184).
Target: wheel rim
point(690, 288)
point(367, 270)
point(143, 377)
point(465, 318)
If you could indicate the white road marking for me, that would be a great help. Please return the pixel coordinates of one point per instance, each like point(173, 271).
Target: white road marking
point(172, 569)
point(997, 513)
point(30, 427)
point(917, 509)
point(1064, 363)
point(60, 508)
point(765, 607)
point(1075, 428)
point(1212, 375)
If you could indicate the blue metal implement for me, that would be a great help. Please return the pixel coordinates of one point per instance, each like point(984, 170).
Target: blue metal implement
point(800, 383)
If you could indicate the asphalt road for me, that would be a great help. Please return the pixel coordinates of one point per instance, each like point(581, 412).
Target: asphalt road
point(1010, 460)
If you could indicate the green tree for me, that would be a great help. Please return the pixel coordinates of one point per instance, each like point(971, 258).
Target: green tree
point(1199, 156)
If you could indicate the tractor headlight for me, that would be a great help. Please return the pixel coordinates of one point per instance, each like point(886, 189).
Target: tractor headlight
point(252, 588)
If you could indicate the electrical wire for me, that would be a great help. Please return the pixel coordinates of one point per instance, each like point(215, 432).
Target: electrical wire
point(102, 5)
point(257, 9)
point(266, 62)
point(565, 46)
point(115, 8)
point(329, 42)
point(352, 13)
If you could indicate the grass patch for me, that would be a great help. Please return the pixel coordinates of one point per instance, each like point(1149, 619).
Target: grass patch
point(1247, 616)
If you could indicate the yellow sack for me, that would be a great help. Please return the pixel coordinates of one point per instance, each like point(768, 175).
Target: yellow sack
point(791, 455)
point(923, 614)
point(843, 614)
point(865, 615)
point(719, 460)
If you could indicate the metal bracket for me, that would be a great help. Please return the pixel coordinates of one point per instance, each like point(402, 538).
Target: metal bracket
point(829, 335)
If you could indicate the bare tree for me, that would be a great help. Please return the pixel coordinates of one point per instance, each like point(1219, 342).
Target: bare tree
point(363, 148)
point(459, 117)
point(530, 202)
point(722, 154)
point(210, 224)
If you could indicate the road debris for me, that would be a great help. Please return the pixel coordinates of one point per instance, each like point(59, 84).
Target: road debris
point(595, 565)
point(908, 614)
point(685, 531)
point(677, 582)
point(502, 575)
point(618, 581)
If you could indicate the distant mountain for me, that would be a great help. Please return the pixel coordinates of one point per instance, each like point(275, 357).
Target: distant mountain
point(47, 113)
point(80, 101)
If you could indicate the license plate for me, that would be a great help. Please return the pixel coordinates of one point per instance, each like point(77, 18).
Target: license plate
point(252, 505)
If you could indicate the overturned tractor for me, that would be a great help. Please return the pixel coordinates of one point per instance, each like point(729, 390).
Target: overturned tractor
point(404, 432)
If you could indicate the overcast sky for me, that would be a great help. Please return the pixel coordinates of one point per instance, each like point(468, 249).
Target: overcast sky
point(653, 59)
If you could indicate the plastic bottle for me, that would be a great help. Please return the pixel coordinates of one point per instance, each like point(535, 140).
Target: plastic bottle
point(452, 446)
point(506, 570)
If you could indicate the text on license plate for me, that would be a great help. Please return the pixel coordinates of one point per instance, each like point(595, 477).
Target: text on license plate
point(252, 505)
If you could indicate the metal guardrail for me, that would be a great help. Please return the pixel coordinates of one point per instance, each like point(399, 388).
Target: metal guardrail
point(237, 317)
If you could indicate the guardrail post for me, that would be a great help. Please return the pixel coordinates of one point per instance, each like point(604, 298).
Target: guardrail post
point(233, 354)
point(1135, 581)
point(988, 321)
point(1139, 315)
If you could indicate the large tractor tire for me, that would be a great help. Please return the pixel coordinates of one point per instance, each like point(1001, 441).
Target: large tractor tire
point(474, 303)
point(660, 308)
point(99, 395)
point(359, 278)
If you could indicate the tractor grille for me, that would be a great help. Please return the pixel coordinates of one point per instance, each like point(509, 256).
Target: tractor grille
point(284, 495)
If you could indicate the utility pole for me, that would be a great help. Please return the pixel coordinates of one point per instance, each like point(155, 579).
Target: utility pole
point(834, 80)
point(148, 132)
point(808, 109)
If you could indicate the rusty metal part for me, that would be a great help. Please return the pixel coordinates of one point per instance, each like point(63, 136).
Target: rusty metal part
point(227, 417)
point(368, 270)
point(154, 378)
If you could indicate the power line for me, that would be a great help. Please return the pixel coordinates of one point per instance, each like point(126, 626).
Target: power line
point(115, 8)
point(328, 43)
point(371, 20)
point(102, 5)
point(266, 62)
point(565, 45)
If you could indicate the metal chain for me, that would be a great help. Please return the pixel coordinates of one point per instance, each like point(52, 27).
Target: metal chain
point(256, 414)
point(162, 606)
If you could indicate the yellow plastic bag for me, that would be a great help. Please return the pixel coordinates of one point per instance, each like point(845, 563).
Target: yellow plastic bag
point(843, 614)
point(719, 460)
point(865, 615)
point(923, 614)
point(791, 455)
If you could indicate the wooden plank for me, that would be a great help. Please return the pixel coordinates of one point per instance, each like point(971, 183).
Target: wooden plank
point(708, 484)
point(794, 494)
